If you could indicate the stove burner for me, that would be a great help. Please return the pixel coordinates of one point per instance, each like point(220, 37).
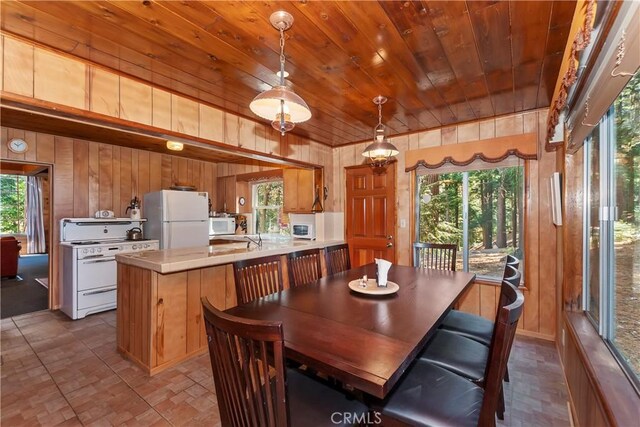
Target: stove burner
point(90, 242)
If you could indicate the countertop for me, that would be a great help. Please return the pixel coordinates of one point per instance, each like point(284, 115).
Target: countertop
point(174, 260)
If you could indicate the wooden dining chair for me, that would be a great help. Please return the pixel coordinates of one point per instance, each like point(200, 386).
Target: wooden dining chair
point(432, 395)
point(466, 357)
point(438, 256)
point(254, 388)
point(304, 267)
point(337, 258)
point(477, 327)
point(257, 277)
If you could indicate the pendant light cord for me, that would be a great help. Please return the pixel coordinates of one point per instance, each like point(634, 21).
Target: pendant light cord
point(282, 59)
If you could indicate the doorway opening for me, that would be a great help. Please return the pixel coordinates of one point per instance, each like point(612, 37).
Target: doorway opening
point(25, 236)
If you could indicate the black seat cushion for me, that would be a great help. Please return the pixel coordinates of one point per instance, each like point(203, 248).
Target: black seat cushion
point(469, 325)
point(314, 403)
point(428, 395)
point(457, 354)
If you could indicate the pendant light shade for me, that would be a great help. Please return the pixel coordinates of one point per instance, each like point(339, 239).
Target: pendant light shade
point(267, 104)
point(380, 151)
point(280, 104)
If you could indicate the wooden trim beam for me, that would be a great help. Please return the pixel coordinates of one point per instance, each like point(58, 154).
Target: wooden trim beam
point(47, 117)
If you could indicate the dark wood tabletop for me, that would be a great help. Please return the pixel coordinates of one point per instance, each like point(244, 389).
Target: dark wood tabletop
point(365, 341)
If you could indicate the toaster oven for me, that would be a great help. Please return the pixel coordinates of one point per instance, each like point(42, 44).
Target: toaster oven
point(303, 231)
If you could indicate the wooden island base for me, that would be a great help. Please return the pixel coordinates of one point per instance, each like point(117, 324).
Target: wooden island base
point(159, 316)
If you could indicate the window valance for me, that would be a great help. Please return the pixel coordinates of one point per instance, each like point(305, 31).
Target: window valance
point(492, 150)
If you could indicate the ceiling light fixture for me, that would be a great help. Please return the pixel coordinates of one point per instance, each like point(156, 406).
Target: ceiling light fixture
point(175, 146)
point(280, 104)
point(380, 151)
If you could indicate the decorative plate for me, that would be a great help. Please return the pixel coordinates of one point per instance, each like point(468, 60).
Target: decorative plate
point(372, 288)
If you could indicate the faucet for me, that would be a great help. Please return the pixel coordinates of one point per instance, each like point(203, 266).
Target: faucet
point(257, 242)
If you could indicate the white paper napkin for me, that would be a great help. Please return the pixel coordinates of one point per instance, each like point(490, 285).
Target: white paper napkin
point(383, 267)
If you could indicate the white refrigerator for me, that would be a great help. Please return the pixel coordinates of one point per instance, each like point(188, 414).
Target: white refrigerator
point(179, 219)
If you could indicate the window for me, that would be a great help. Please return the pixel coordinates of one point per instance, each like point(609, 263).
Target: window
point(612, 229)
point(480, 210)
point(268, 198)
point(13, 195)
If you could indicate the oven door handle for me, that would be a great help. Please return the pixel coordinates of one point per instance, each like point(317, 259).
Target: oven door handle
point(102, 291)
point(98, 260)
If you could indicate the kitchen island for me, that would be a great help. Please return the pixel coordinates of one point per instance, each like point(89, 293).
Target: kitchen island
point(159, 315)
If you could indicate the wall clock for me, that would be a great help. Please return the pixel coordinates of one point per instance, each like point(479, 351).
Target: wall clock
point(18, 145)
point(241, 201)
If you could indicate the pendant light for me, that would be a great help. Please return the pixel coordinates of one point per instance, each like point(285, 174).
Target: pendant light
point(280, 104)
point(380, 151)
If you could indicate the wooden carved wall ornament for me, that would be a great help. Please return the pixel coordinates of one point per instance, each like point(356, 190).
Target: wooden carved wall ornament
point(580, 42)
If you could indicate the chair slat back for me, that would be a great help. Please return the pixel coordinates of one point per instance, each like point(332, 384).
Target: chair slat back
point(247, 359)
point(304, 267)
point(258, 277)
point(501, 342)
point(437, 256)
point(337, 258)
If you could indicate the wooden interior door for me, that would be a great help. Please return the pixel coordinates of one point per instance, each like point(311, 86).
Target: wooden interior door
point(371, 214)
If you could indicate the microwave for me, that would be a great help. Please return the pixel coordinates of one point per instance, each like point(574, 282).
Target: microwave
point(303, 231)
point(218, 226)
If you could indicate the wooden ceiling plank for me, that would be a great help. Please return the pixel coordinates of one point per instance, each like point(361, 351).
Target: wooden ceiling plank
point(413, 22)
point(375, 26)
point(558, 32)
point(492, 31)
point(529, 27)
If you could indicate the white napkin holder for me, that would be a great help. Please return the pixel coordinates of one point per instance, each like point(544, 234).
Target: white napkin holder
point(382, 271)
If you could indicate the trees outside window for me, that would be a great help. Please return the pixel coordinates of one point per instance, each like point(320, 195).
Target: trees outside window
point(481, 210)
point(13, 195)
point(626, 295)
point(612, 230)
point(268, 198)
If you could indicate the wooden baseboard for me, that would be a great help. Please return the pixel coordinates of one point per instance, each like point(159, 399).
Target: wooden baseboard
point(538, 335)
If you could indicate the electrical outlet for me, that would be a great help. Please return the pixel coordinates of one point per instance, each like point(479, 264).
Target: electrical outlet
point(403, 223)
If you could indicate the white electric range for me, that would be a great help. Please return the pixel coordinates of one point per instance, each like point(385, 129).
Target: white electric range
point(88, 247)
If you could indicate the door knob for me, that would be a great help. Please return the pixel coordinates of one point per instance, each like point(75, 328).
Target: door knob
point(389, 245)
point(389, 237)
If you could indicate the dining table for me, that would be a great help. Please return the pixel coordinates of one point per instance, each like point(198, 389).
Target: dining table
point(366, 341)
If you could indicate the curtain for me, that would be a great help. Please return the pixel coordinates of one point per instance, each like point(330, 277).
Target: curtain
point(35, 219)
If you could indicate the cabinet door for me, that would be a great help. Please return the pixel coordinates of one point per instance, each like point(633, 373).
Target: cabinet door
point(230, 194)
point(305, 190)
point(290, 187)
point(220, 194)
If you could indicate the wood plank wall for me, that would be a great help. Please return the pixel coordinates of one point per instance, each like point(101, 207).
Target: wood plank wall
point(89, 176)
point(540, 242)
point(57, 77)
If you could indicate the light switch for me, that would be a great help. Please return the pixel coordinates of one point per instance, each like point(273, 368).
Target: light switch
point(403, 223)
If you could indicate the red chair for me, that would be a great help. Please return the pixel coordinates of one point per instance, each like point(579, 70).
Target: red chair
point(10, 249)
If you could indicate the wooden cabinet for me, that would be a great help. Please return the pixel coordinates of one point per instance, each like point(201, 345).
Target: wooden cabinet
point(160, 315)
point(226, 194)
point(299, 190)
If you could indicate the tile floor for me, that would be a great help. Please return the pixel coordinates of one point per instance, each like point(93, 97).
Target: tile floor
point(55, 371)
